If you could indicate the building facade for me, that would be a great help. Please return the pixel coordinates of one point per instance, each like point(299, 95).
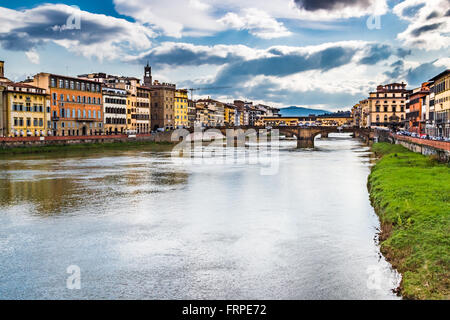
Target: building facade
point(441, 103)
point(192, 113)
point(387, 106)
point(114, 110)
point(229, 115)
point(143, 107)
point(181, 109)
point(415, 116)
point(25, 110)
point(162, 109)
point(131, 113)
point(76, 104)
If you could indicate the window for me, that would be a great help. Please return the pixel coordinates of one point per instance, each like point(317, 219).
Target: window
point(79, 113)
point(28, 122)
point(72, 85)
point(73, 113)
point(61, 97)
point(84, 113)
point(89, 113)
point(66, 82)
point(95, 115)
point(68, 113)
point(61, 83)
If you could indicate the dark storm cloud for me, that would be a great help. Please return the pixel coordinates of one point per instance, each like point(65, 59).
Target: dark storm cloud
point(313, 5)
point(429, 27)
point(401, 53)
point(396, 70)
point(285, 65)
point(377, 53)
point(412, 10)
point(188, 57)
point(380, 52)
point(432, 15)
point(415, 76)
point(53, 28)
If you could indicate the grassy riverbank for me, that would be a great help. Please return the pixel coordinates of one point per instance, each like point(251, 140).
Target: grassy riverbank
point(411, 194)
point(57, 148)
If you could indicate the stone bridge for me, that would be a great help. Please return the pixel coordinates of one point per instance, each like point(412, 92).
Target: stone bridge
point(305, 135)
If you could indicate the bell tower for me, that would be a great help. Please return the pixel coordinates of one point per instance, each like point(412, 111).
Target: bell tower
point(2, 69)
point(148, 75)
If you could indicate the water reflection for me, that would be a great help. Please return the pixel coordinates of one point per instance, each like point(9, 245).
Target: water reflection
point(142, 226)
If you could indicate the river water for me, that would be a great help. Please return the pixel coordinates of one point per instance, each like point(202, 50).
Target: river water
point(139, 225)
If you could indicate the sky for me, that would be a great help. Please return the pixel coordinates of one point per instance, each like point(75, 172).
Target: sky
point(326, 54)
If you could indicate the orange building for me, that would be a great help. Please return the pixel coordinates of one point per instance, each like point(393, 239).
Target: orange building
point(76, 104)
point(415, 118)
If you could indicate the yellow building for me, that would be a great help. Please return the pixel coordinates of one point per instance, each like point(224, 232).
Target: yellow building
point(131, 113)
point(229, 115)
point(25, 110)
point(387, 106)
point(441, 91)
point(364, 113)
point(181, 109)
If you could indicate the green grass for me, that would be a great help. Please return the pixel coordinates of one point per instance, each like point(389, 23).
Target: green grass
point(62, 148)
point(411, 194)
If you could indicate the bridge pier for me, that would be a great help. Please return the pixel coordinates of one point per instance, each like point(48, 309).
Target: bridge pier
point(303, 143)
point(324, 134)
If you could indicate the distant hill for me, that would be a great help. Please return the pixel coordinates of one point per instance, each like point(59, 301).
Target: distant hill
point(294, 111)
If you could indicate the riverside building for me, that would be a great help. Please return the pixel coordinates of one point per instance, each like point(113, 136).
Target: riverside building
point(115, 110)
point(387, 106)
point(25, 110)
point(76, 104)
point(441, 103)
point(181, 109)
point(142, 115)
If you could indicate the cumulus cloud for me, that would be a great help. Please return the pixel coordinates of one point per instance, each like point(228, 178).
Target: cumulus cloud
point(429, 27)
point(332, 9)
point(415, 73)
point(96, 35)
point(178, 18)
point(257, 22)
point(187, 54)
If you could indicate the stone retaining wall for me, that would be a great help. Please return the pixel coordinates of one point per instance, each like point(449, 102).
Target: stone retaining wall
point(440, 149)
point(6, 143)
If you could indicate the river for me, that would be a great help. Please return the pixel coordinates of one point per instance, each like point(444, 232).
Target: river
point(139, 225)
